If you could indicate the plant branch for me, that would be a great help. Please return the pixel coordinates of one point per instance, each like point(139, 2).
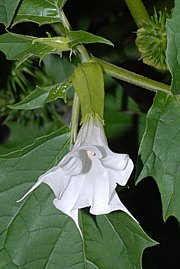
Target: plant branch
point(133, 78)
point(83, 56)
point(138, 11)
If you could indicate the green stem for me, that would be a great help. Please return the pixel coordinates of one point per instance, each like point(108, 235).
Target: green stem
point(65, 21)
point(133, 78)
point(138, 11)
point(83, 55)
point(74, 118)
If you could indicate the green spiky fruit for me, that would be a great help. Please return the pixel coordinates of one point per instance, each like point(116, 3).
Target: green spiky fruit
point(152, 40)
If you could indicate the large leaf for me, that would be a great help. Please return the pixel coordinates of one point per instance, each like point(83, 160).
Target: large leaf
point(41, 11)
point(20, 47)
point(7, 11)
point(43, 95)
point(22, 135)
point(34, 234)
point(160, 151)
point(114, 240)
point(173, 47)
point(88, 82)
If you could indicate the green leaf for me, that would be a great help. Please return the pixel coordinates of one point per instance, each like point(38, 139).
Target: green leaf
point(88, 82)
point(20, 47)
point(173, 47)
point(43, 95)
point(34, 234)
point(41, 11)
point(116, 123)
point(7, 11)
point(23, 135)
point(114, 240)
point(160, 151)
point(59, 43)
point(73, 38)
point(79, 37)
point(62, 68)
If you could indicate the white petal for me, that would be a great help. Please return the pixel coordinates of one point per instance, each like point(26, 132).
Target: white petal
point(29, 191)
point(121, 176)
point(71, 164)
point(55, 178)
point(114, 160)
point(91, 133)
point(71, 213)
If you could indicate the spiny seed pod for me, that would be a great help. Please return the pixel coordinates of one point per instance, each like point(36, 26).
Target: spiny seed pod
point(152, 40)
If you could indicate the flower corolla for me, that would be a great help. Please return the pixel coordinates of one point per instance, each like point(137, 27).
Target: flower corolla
point(88, 175)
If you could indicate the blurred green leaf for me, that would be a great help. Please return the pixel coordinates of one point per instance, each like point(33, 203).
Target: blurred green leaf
point(20, 47)
point(62, 68)
point(23, 135)
point(159, 151)
point(34, 234)
point(83, 37)
point(7, 11)
point(88, 82)
point(59, 43)
point(41, 11)
point(116, 123)
point(43, 95)
point(173, 47)
point(73, 38)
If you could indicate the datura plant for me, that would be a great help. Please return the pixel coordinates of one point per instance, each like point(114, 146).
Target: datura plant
point(80, 135)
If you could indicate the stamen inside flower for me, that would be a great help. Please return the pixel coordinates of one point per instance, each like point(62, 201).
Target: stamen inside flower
point(91, 153)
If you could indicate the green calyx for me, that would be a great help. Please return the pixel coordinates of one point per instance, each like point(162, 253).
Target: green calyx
point(88, 83)
point(152, 40)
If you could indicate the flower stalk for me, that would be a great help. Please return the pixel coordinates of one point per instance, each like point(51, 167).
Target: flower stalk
point(138, 11)
point(133, 78)
point(74, 119)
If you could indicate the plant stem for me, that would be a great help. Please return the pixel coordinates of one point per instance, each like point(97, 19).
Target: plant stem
point(74, 118)
point(133, 78)
point(65, 21)
point(138, 11)
point(83, 55)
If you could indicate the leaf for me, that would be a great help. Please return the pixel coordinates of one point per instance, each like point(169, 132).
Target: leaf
point(173, 47)
point(79, 37)
point(62, 68)
point(59, 43)
point(34, 234)
point(88, 82)
point(22, 135)
point(43, 95)
point(72, 39)
point(7, 11)
point(160, 151)
point(114, 240)
point(41, 11)
point(20, 47)
point(117, 123)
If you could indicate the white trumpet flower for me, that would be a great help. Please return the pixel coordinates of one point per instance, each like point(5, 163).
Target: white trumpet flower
point(88, 175)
